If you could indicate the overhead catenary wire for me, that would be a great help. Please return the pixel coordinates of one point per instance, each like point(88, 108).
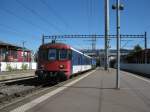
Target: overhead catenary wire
point(17, 33)
point(22, 19)
point(10, 31)
point(90, 21)
point(91, 15)
point(125, 44)
point(55, 13)
point(14, 30)
point(39, 16)
point(88, 16)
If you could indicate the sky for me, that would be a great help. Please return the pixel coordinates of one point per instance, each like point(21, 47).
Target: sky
point(28, 20)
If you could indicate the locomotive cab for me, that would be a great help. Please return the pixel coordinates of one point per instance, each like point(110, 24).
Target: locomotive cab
point(54, 61)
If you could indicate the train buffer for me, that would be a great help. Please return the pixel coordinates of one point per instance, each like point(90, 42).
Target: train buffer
point(93, 92)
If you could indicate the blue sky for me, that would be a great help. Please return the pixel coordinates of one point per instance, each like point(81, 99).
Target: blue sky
point(27, 20)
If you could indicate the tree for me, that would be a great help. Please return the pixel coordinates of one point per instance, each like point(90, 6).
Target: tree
point(130, 58)
point(137, 48)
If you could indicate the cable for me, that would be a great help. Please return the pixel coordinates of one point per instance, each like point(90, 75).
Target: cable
point(127, 41)
point(94, 14)
point(91, 14)
point(8, 30)
point(57, 15)
point(22, 19)
point(12, 29)
point(38, 15)
point(90, 10)
point(87, 13)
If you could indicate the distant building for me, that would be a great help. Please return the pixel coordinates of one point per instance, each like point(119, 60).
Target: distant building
point(99, 54)
point(139, 57)
point(14, 53)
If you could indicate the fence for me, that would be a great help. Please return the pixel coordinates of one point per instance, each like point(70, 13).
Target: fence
point(138, 68)
point(10, 66)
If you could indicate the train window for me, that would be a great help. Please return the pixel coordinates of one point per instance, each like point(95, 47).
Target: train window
point(63, 54)
point(42, 54)
point(69, 54)
point(52, 54)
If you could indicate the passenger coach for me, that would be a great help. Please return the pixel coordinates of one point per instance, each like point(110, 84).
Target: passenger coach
point(60, 61)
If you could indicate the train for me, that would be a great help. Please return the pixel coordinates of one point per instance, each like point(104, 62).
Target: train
point(59, 61)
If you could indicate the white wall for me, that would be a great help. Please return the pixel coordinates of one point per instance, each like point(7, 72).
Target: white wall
point(140, 68)
point(17, 65)
point(79, 68)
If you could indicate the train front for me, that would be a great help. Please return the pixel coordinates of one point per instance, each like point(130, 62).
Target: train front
point(54, 61)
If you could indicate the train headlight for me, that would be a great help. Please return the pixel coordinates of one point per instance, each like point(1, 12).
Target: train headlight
point(61, 66)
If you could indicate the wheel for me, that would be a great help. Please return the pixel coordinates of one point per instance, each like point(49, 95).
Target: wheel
point(57, 79)
point(71, 76)
point(62, 76)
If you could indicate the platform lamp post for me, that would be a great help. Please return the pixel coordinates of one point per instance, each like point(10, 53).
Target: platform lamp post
point(106, 34)
point(145, 39)
point(118, 7)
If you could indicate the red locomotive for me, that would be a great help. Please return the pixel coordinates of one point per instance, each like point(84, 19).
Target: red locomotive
point(60, 61)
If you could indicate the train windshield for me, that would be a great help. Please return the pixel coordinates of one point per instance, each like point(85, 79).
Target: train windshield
point(52, 54)
point(63, 54)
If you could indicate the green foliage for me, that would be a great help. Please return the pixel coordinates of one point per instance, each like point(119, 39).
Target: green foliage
point(131, 56)
point(9, 68)
point(137, 48)
point(24, 66)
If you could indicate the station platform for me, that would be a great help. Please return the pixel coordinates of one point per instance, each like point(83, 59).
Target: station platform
point(16, 75)
point(95, 92)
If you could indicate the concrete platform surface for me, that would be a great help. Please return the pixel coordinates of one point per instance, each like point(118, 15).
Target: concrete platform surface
point(16, 74)
point(97, 93)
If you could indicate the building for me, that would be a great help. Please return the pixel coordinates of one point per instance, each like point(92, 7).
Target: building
point(99, 54)
point(140, 57)
point(14, 53)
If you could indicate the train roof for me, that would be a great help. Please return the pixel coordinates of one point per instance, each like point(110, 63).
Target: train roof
point(62, 45)
point(80, 52)
point(55, 45)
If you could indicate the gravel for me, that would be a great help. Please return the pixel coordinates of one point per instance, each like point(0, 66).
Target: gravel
point(11, 90)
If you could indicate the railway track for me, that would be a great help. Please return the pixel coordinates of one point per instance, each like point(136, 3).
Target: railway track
point(16, 79)
point(13, 89)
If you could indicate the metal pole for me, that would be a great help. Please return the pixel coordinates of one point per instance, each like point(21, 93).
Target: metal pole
point(118, 43)
point(23, 50)
point(42, 39)
point(106, 33)
point(145, 38)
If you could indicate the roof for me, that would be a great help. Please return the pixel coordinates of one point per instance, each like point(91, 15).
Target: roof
point(7, 44)
point(55, 45)
point(61, 45)
point(12, 45)
point(81, 53)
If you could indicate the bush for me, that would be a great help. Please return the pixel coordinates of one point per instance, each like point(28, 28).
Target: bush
point(24, 66)
point(9, 68)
